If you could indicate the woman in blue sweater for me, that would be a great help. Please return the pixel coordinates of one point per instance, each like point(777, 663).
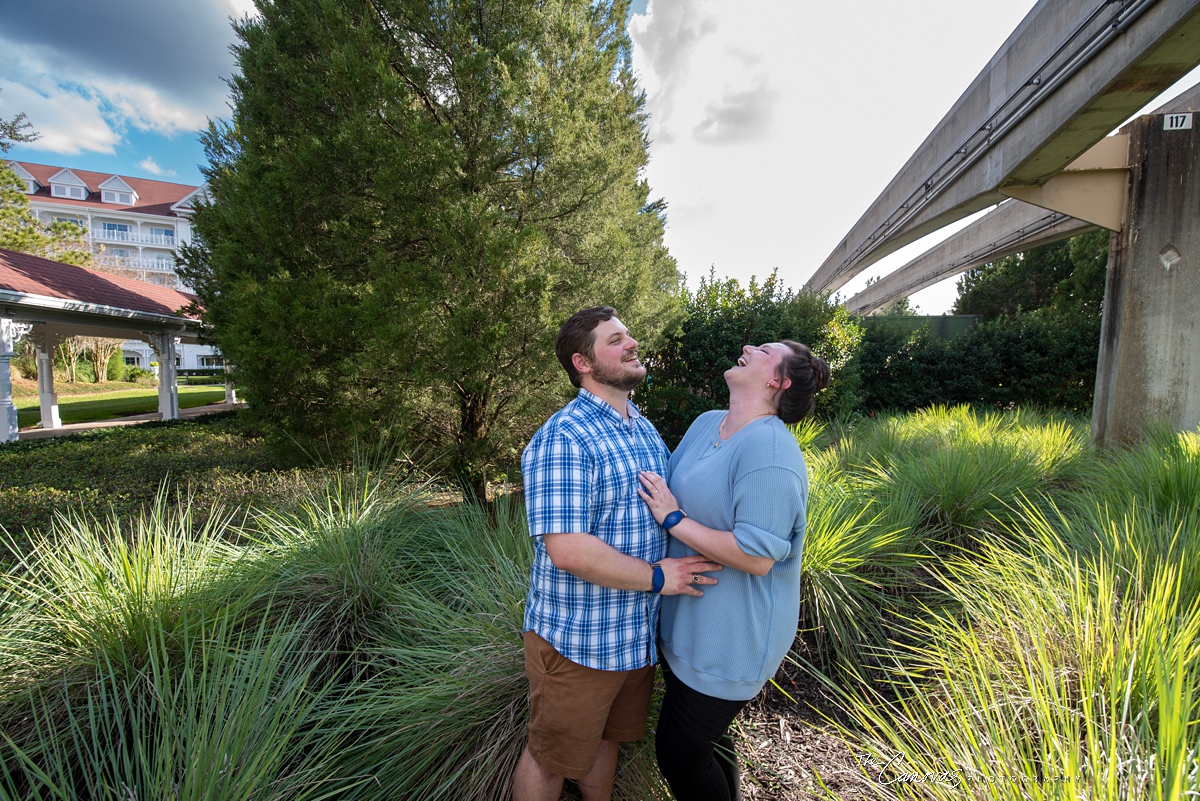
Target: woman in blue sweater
point(741, 478)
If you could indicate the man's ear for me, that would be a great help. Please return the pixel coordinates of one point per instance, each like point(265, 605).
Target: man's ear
point(582, 365)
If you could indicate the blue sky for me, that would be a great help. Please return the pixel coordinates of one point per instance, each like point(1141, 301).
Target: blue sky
point(774, 123)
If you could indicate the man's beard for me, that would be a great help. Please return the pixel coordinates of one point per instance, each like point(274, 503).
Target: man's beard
point(617, 379)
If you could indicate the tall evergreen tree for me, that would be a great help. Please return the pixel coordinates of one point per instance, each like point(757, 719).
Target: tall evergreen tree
point(412, 195)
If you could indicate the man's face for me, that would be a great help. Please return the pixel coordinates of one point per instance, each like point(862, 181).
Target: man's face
point(614, 357)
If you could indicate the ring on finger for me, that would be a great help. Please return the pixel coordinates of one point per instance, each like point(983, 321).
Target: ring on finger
point(695, 579)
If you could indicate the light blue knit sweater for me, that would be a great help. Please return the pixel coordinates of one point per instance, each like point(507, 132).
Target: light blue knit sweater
point(730, 642)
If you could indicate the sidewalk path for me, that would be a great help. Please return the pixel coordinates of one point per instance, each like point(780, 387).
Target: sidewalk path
point(133, 419)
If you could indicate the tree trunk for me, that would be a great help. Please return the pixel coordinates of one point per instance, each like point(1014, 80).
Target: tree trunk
point(100, 350)
point(69, 352)
point(472, 437)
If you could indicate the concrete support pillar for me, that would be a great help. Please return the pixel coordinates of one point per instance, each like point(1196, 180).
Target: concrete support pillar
point(168, 381)
point(45, 342)
point(1149, 365)
point(9, 430)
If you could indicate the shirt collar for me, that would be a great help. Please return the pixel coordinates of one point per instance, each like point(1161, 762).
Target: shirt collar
point(604, 407)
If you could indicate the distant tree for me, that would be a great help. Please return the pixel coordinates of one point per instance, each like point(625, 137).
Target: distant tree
point(20, 229)
point(1067, 276)
point(67, 354)
point(18, 129)
point(410, 199)
point(687, 372)
point(100, 351)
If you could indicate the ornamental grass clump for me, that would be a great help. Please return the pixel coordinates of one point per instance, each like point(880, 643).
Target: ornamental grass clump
point(362, 643)
point(1058, 677)
point(219, 712)
point(855, 571)
point(965, 470)
point(1160, 474)
point(892, 496)
point(104, 589)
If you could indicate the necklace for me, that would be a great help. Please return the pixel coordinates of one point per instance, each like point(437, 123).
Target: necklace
point(721, 428)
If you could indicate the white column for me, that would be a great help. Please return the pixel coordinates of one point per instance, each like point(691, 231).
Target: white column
point(9, 430)
point(168, 389)
point(230, 391)
point(45, 342)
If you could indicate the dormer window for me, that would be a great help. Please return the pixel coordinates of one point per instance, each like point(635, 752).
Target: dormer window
point(28, 181)
point(73, 192)
point(116, 190)
point(124, 198)
point(65, 183)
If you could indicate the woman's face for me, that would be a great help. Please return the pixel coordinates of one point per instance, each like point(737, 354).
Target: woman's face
point(759, 365)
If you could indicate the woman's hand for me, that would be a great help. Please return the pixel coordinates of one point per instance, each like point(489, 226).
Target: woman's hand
point(657, 495)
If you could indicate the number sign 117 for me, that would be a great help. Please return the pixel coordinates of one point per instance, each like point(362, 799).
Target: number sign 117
point(1177, 122)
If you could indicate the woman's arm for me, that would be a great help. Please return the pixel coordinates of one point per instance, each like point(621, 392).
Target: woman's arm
point(719, 546)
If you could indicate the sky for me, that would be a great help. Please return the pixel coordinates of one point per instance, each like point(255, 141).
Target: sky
point(774, 123)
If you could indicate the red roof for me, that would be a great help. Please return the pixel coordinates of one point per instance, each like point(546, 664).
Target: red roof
point(154, 197)
point(32, 275)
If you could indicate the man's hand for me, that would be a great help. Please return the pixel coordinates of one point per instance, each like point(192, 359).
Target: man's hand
point(683, 576)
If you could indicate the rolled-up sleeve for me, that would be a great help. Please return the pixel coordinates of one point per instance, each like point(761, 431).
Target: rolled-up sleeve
point(769, 512)
point(558, 487)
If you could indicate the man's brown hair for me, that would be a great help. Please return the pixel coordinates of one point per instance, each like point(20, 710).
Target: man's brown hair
point(577, 335)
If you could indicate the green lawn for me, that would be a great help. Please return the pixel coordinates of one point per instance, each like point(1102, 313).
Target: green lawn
point(107, 405)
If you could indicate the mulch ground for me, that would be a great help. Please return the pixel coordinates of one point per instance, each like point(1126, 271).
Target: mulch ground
point(790, 750)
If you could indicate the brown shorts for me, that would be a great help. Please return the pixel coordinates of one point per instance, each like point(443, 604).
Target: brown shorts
point(573, 708)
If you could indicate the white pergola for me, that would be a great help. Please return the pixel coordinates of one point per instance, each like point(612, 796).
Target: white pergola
point(61, 300)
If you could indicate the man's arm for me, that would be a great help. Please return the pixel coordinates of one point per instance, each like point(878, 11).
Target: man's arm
point(590, 558)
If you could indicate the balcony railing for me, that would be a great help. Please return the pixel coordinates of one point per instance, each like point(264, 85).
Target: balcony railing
point(101, 235)
point(147, 270)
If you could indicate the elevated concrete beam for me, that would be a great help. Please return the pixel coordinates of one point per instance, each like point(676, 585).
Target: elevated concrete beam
point(1011, 228)
point(1071, 72)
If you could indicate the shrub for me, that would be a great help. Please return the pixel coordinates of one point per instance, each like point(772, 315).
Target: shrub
point(25, 359)
point(686, 374)
point(117, 369)
point(120, 470)
point(138, 375)
point(1045, 359)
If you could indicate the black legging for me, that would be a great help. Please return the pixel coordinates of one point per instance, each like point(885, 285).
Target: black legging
point(694, 750)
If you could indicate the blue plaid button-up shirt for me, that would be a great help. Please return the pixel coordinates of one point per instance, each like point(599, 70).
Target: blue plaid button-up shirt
point(581, 475)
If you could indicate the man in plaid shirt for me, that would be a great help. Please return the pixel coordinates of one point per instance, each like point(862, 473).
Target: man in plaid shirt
point(599, 567)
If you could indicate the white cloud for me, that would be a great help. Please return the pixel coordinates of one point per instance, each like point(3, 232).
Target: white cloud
point(665, 40)
point(86, 75)
point(739, 116)
point(237, 9)
point(146, 108)
point(66, 121)
point(151, 166)
point(75, 112)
